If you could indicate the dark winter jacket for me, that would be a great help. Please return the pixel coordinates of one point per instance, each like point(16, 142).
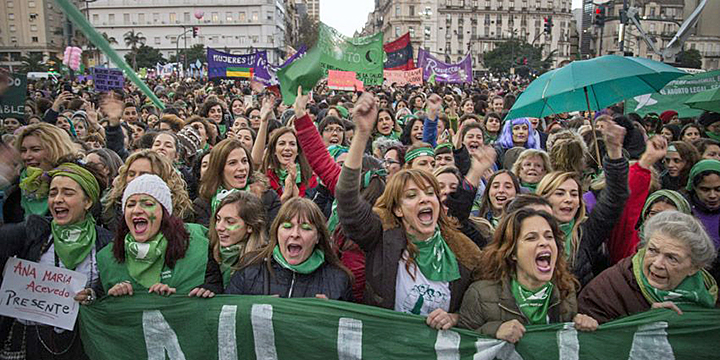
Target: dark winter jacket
point(203, 210)
point(256, 279)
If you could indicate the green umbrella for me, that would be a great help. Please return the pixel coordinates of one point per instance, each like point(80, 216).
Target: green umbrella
point(705, 100)
point(592, 84)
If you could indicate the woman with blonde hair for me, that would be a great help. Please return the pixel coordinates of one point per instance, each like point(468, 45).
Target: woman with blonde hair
point(416, 260)
point(530, 167)
point(585, 236)
point(40, 147)
point(238, 228)
point(525, 280)
point(140, 163)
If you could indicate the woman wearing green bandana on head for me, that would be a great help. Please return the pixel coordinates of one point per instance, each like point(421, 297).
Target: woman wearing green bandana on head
point(298, 262)
point(239, 227)
point(667, 271)
point(525, 280)
point(70, 240)
point(230, 168)
point(420, 156)
point(417, 262)
point(155, 251)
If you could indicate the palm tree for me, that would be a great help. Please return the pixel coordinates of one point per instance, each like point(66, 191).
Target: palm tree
point(133, 39)
point(33, 62)
point(93, 50)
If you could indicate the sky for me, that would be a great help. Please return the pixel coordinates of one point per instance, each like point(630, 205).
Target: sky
point(347, 16)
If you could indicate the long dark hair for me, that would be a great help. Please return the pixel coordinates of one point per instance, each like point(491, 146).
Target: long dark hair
point(173, 228)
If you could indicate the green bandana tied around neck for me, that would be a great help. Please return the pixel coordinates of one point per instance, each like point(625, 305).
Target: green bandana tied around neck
point(310, 264)
point(145, 261)
point(229, 256)
point(416, 153)
point(74, 242)
point(567, 228)
point(699, 289)
point(531, 187)
point(435, 259)
point(220, 194)
point(282, 175)
point(713, 135)
point(534, 304)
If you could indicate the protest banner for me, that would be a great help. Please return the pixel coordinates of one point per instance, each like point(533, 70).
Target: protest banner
point(105, 79)
point(444, 72)
point(147, 326)
point(222, 64)
point(305, 71)
point(674, 95)
point(12, 102)
point(363, 55)
point(399, 54)
point(341, 80)
point(40, 293)
point(401, 78)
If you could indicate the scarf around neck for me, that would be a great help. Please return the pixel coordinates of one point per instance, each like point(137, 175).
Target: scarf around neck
point(699, 289)
point(534, 304)
point(220, 194)
point(567, 229)
point(282, 175)
point(145, 261)
point(435, 259)
point(310, 264)
point(74, 242)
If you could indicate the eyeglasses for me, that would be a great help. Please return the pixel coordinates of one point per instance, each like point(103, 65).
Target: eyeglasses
point(333, 130)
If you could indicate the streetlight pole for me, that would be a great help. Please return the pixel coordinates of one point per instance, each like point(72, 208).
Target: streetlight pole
point(177, 49)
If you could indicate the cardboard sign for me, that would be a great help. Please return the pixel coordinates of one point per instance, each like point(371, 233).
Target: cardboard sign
point(403, 77)
point(12, 102)
point(341, 80)
point(40, 293)
point(108, 79)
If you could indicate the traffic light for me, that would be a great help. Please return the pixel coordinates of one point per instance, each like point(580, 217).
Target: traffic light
point(599, 16)
point(195, 31)
point(548, 25)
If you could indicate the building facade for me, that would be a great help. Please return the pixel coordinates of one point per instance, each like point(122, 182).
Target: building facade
point(450, 29)
point(237, 27)
point(27, 27)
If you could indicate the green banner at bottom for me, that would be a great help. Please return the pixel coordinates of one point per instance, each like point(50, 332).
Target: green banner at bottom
point(266, 328)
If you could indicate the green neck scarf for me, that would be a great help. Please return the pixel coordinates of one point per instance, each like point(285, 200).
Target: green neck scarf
point(532, 187)
point(435, 259)
point(310, 264)
point(534, 304)
point(229, 255)
point(282, 175)
point(713, 135)
point(334, 219)
point(220, 194)
point(567, 230)
point(145, 261)
point(699, 289)
point(34, 193)
point(74, 242)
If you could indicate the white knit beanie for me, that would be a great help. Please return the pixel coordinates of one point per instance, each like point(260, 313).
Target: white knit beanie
point(151, 185)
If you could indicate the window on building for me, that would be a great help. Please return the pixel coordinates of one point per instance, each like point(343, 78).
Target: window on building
point(411, 29)
point(13, 39)
point(228, 17)
point(487, 19)
point(270, 39)
point(215, 17)
point(156, 17)
point(126, 19)
point(428, 12)
point(241, 16)
point(141, 18)
point(241, 39)
point(498, 20)
point(13, 28)
point(33, 27)
point(35, 39)
point(412, 10)
point(95, 18)
point(397, 31)
point(11, 16)
point(157, 40)
point(173, 18)
point(215, 39)
point(111, 19)
point(173, 39)
point(255, 16)
point(254, 39)
point(269, 15)
point(186, 17)
point(428, 31)
point(397, 10)
point(10, 4)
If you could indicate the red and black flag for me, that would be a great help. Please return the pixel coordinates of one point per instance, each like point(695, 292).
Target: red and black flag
point(399, 54)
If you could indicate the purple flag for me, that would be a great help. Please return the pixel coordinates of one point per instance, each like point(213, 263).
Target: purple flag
point(444, 72)
point(265, 73)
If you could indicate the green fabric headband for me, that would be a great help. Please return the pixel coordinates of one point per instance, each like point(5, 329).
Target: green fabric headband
point(700, 167)
point(337, 150)
point(416, 153)
point(680, 203)
point(672, 148)
point(444, 145)
point(370, 174)
point(83, 177)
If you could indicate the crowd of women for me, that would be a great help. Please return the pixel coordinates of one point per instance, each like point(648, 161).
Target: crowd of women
point(423, 200)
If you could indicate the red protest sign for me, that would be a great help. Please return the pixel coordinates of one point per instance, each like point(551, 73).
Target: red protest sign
point(341, 80)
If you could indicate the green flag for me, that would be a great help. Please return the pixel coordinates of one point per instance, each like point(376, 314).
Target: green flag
point(363, 55)
point(148, 326)
point(674, 95)
point(305, 71)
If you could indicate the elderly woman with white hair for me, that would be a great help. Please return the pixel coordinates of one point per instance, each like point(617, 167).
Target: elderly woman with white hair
point(668, 270)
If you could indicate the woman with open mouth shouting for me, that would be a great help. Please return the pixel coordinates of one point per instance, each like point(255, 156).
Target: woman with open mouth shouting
point(525, 280)
point(155, 251)
point(230, 168)
point(584, 236)
point(70, 240)
point(299, 261)
point(416, 262)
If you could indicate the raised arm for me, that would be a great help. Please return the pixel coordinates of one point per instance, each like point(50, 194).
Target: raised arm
point(258, 149)
point(315, 151)
point(430, 134)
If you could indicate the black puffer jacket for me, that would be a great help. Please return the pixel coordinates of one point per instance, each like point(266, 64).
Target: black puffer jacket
point(255, 279)
point(589, 259)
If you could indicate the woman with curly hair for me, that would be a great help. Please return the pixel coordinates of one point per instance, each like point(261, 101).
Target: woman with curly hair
point(525, 280)
point(146, 162)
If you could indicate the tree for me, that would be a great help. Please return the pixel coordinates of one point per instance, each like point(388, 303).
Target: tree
point(690, 59)
point(525, 58)
point(93, 50)
point(132, 40)
point(145, 57)
point(196, 52)
point(33, 62)
point(307, 32)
